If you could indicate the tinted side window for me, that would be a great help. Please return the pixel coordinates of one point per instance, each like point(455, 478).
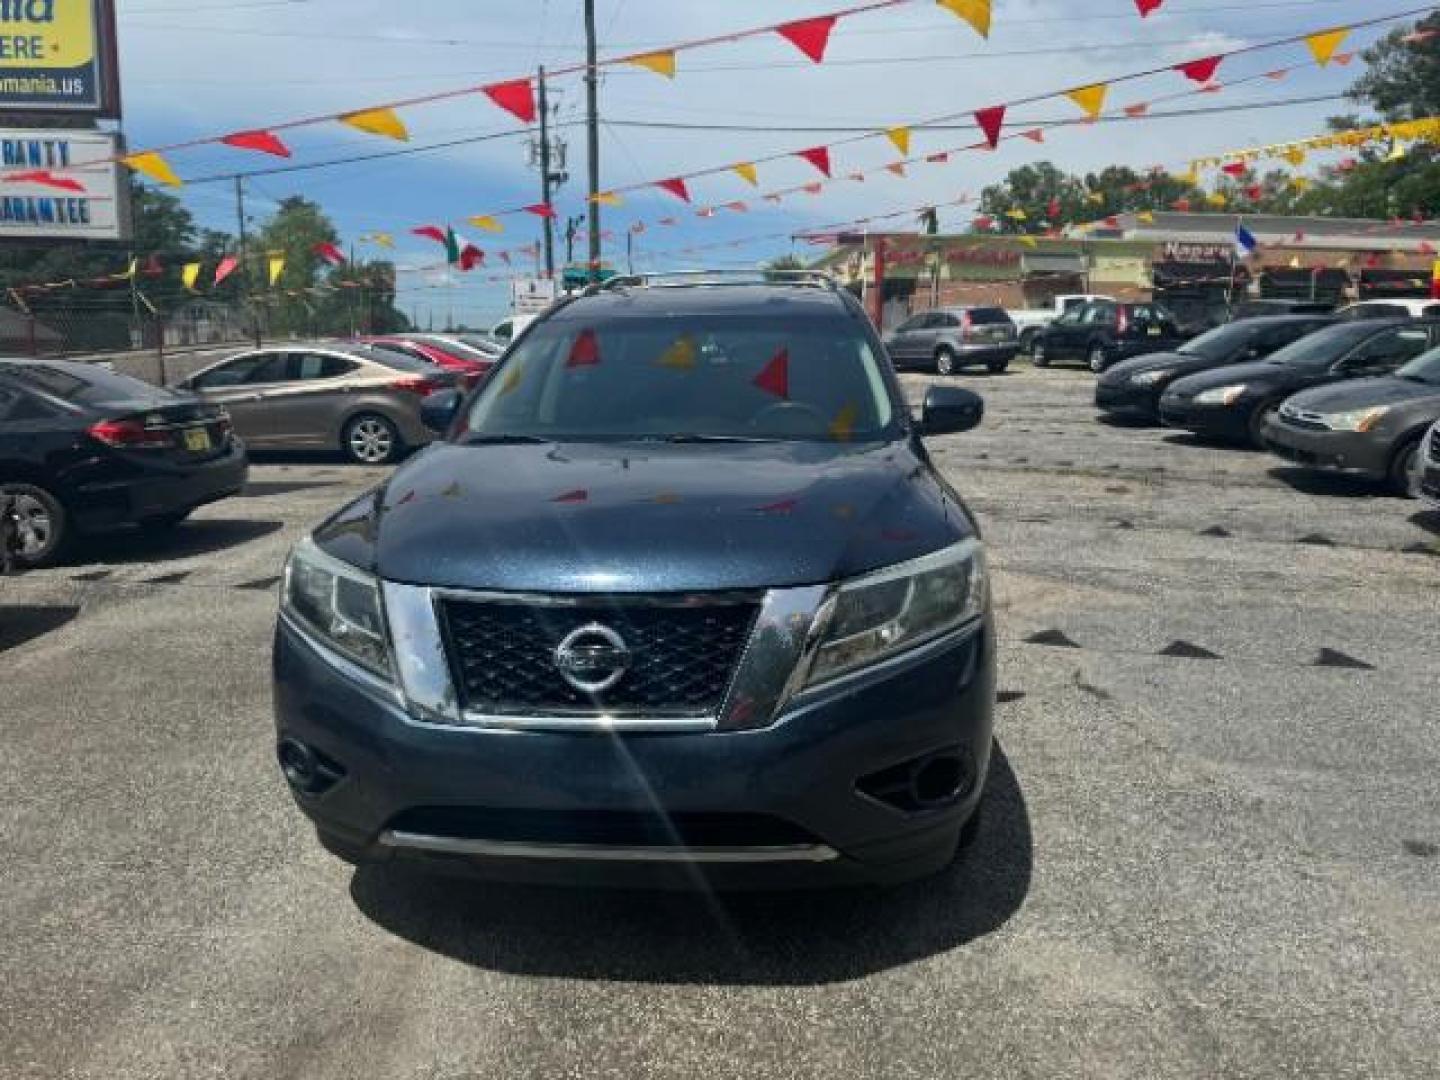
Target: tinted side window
point(234, 373)
point(16, 405)
point(1099, 314)
point(1389, 350)
point(272, 367)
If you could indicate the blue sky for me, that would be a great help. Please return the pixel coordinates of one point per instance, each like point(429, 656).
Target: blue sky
point(194, 68)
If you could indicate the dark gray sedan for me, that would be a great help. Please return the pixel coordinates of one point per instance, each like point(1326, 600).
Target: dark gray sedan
point(362, 401)
point(1373, 428)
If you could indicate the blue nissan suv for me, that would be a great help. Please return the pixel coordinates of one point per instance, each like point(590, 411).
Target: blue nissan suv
point(678, 598)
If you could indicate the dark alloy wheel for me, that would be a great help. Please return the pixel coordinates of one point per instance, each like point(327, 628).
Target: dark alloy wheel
point(1405, 471)
point(1263, 412)
point(41, 524)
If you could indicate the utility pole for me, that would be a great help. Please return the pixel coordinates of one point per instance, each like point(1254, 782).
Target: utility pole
point(245, 251)
point(545, 174)
point(592, 123)
point(629, 252)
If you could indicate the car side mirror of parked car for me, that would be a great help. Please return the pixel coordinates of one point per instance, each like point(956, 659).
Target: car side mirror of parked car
point(437, 411)
point(948, 410)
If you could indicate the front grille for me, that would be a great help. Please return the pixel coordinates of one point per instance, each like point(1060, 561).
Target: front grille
point(681, 654)
point(1305, 421)
point(614, 828)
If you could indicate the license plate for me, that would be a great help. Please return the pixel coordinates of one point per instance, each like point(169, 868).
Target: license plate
point(1153, 331)
point(197, 440)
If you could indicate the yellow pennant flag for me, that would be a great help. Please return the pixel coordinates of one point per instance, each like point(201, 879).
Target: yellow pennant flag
point(1145, 217)
point(900, 136)
point(1300, 183)
point(843, 426)
point(747, 172)
point(1090, 98)
point(190, 274)
point(1028, 241)
point(484, 221)
point(1095, 197)
point(608, 198)
point(277, 267)
point(679, 356)
point(384, 122)
point(975, 12)
point(662, 63)
point(155, 167)
point(133, 271)
point(1216, 200)
point(1295, 262)
point(1295, 156)
point(382, 239)
point(1324, 44)
point(1397, 154)
point(1017, 214)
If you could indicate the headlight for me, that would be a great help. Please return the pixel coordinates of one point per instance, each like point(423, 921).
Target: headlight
point(1221, 395)
point(881, 614)
point(1149, 378)
point(1361, 420)
point(339, 604)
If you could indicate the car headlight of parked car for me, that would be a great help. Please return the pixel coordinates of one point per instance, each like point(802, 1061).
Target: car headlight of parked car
point(1360, 420)
point(1149, 378)
point(1221, 395)
point(339, 605)
point(876, 616)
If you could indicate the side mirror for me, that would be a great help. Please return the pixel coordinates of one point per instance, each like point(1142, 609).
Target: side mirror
point(948, 410)
point(437, 411)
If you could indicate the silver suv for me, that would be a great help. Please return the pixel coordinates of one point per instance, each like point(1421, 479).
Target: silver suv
point(948, 339)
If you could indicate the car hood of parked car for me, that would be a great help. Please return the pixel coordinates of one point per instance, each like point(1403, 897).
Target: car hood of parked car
point(647, 517)
point(1258, 373)
point(1363, 393)
point(1178, 363)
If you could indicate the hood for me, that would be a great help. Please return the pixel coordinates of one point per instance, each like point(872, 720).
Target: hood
point(1118, 374)
point(1257, 373)
point(1363, 394)
point(642, 517)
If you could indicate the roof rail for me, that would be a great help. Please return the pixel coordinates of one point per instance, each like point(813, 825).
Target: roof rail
point(689, 279)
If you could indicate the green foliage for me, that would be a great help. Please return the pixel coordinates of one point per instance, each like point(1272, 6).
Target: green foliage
point(1402, 78)
point(1037, 190)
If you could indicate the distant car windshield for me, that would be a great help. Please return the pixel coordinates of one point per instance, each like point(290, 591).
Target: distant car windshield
point(1425, 368)
point(1220, 343)
point(982, 316)
point(1324, 347)
point(711, 375)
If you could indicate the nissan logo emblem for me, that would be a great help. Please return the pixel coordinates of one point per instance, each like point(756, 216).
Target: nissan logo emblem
point(592, 659)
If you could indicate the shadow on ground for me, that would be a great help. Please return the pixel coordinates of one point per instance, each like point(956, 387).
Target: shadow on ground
point(1335, 485)
point(1429, 520)
point(785, 939)
point(204, 537)
point(21, 624)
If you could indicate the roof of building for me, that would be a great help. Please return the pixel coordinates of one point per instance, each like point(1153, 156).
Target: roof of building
point(1359, 234)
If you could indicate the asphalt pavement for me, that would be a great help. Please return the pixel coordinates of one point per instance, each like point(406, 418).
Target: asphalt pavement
point(1211, 847)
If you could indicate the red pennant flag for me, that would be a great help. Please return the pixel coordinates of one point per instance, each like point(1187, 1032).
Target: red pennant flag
point(226, 268)
point(154, 267)
point(471, 257)
point(938, 159)
point(579, 495)
point(784, 506)
point(1137, 110)
point(1182, 204)
point(1298, 238)
point(813, 189)
point(1427, 248)
point(516, 97)
point(1035, 135)
point(983, 223)
point(1234, 168)
point(330, 253)
point(675, 186)
point(263, 141)
point(819, 156)
point(431, 232)
point(505, 257)
point(738, 207)
point(1148, 6)
point(1277, 74)
point(1200, 71)
point(1052, 209)
point(586, 350)
point(775, 379)
point(541, 209)
point(991, 121)
point(1254, 192)
point(810, 36)
point(1112, 222)
point(669, 221)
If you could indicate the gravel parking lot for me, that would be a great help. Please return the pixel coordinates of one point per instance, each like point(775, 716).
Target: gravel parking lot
point(1210, 848)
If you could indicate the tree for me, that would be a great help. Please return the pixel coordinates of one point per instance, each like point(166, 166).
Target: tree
point(783, 263)
point(1035, 198)
point(293, 232)
point(1402, 78)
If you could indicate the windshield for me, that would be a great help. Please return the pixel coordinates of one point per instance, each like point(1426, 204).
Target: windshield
point(1220, 343)
point(1324, 347)
point(707, 376)
point(83, 385)
point(1425, 368)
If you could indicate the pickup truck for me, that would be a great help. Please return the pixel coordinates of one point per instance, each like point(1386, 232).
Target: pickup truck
point(1031, 321)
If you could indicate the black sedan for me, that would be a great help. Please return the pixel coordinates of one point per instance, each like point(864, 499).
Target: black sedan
point(85, 450)
point(1370, 428)
point(1235, 402)
point(1132, 388)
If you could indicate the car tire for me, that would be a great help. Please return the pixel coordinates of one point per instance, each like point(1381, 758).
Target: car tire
point(371, 439)
point(998, 367)
point(1038, 356)
point(1404, 470)
point(44, 525)
point(1096, 359)
point(166, 522)
point(944, 361)
point(1261, 413)
point(1027, 342)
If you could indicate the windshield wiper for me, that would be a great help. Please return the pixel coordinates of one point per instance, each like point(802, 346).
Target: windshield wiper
point(711, 439)
point(480, 439)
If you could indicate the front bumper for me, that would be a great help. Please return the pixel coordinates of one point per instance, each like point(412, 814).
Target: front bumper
point(1141, 402)
point(1222, 421)
point(795, 803)
point(1430, 484)
point(1336, 451)
point(110, 498)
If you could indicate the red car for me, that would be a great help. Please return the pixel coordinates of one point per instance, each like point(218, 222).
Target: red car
point(472, 372)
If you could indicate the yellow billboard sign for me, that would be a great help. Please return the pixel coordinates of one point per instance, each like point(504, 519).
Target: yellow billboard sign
point(57, 55)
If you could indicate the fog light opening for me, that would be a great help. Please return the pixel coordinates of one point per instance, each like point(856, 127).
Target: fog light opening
point(298, 764)
point(937, 779)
